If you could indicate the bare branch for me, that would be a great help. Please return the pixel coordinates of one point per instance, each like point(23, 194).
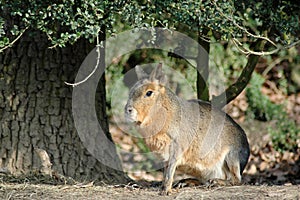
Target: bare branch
point(16, 39)
point(204, 38)
point(273, 64)
point(261, 53)
point(292, 45)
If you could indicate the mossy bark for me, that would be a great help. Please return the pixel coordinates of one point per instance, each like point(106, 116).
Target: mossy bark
point(36, 110)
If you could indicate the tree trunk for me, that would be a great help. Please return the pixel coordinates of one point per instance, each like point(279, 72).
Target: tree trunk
point(36, 111)
point(202, 66)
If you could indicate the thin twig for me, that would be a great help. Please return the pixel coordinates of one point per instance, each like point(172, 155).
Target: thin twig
point(235, 41)
point(94, 70)
point(205, 39)
point(50, 38)
point(262, 53)
point(16, 39)
point(292, 45)
point(273, 64)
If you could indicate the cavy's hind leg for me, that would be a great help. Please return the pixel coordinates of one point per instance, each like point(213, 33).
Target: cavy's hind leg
point(230, 175)
point(234, 174)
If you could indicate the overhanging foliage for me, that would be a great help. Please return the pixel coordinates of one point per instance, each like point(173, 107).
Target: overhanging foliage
point(68, 20)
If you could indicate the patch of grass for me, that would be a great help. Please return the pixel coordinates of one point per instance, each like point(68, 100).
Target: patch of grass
point(286, 131)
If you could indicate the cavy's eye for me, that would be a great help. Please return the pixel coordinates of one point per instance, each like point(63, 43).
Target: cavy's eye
point(149, 93)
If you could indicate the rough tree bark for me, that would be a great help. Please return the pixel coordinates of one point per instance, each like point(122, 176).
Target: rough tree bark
point(36, 111)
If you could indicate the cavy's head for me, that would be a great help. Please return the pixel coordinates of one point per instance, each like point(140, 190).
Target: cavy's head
point(146, 95)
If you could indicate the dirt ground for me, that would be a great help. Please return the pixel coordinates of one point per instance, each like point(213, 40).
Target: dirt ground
point(269, 175)
point(40, 191)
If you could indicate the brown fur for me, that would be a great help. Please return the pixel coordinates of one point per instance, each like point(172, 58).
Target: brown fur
point(188, 135)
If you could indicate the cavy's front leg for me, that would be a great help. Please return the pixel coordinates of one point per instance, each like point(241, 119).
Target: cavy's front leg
point(169, 171)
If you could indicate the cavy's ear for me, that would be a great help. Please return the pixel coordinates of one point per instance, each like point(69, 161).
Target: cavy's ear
point(140, 73)
point(158, 75)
